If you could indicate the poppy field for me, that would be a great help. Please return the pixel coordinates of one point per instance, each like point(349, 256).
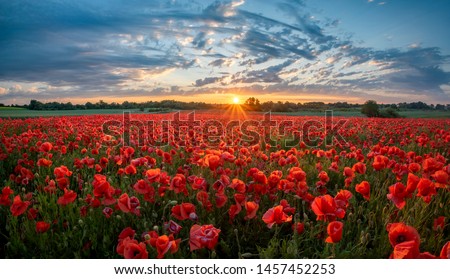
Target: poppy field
point(95, 186)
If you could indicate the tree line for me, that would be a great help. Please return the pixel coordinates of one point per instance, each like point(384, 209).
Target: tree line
point(251, 104)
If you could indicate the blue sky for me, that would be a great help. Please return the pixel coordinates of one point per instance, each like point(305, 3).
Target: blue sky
point(213, 51)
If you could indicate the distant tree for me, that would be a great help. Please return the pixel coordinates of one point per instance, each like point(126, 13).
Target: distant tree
point(252, 103)
point(89, 105)
point(370, 109)
point(439, 107)
point(393, 106)
point(35, 105)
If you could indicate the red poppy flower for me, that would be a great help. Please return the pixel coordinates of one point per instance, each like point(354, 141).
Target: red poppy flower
point(165, 243)
point(153, 175)
point(102, 189)
point(134, 250)
point(62, 171)
point(411, 184)
point(205, 236)
point(414, 167)
point(46, 147)
point(405, 250)
point(127, 232)
point(400, 233)
point(43, 162)
point(274, 178)
point(237, 185)
point(348, 172)
point(325, 208)
point(32, 213)
point(380, 162)
point(203, 198)
point(212, 161)
point(124, 203)
point(67, 198)
point(287, 208)
point(364, 189)
point(334, 231)
point(397, 194)
point(199, 183)
point(297, 174)
point(359, 168)
point(142, 187)
point(178, 184)
point(439, 223)
point(4, 196)
point(18, 206)
point(233, 211)
point(334, 167)
point(183, 211)
point(342, 198)
point(445, 252)
point(298, 227)
point(173, 227)
point(260, 177)
point(251, 208)
point(221, 200)
point(431, 164)
point(107, 212)
point(130, 169)
point(426, 189)
point(441, 178)
point(323, 177)
point(426, 255)
point(42, 227)
point(275, 215)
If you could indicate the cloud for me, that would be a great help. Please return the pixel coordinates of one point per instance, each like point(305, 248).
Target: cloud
point(207, 80)
point(133, 48)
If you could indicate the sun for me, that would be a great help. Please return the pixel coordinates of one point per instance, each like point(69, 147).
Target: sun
point(236, 100)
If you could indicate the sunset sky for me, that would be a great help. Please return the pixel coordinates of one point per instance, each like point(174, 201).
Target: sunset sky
point(296, 50)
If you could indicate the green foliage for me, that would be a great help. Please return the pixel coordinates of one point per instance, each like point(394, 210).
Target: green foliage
point(389, 113)
point(370, 109)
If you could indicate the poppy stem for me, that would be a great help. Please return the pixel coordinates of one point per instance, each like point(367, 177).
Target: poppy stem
point(236, 233)
point(333, 250)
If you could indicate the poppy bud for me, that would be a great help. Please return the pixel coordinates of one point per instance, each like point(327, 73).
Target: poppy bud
point(305, 216)
point(193, 216)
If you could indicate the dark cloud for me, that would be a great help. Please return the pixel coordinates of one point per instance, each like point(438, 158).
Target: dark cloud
point(207, 80)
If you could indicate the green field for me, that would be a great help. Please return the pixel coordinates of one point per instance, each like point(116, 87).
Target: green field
point(7, 112)
point(12, 112)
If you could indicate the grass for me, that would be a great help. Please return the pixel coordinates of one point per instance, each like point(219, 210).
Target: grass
point(10, 108)
point(416, 113)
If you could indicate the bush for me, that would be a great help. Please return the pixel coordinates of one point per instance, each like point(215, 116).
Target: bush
point(370, 109)
point(389, 113)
